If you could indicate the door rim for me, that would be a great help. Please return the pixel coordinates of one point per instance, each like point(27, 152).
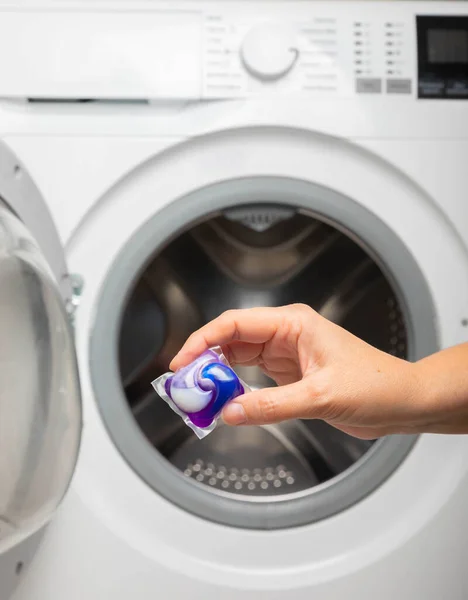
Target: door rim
point(383, 245)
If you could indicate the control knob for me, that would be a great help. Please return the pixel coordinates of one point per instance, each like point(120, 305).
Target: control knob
point(269, 51)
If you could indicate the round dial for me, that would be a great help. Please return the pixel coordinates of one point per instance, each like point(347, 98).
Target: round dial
point(269, 51)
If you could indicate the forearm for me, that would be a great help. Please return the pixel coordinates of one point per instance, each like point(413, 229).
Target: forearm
point(444, 382)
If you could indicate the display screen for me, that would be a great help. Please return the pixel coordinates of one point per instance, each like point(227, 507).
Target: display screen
point(447, 46)
point(442, 57)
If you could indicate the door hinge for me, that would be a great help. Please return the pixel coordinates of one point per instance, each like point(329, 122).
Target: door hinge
point(76, 283)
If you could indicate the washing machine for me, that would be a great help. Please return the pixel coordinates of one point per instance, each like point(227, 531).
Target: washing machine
point(164, 162)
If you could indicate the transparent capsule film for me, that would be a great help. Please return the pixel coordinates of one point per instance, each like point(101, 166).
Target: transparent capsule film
point(199, 391)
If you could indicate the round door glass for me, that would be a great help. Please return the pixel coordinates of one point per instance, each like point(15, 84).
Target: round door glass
point(40, 405)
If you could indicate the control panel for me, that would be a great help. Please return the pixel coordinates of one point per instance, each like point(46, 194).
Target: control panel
point(236, 49)
point(394, 54)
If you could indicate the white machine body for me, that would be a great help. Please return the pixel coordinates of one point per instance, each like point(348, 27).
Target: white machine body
point(118, 109)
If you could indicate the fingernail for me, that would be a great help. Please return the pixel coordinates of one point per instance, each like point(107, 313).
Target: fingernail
point(234, 414)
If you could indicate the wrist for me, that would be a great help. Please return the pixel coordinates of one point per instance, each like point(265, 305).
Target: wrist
point(442, 401)
point(412, 398)
point(424, 398)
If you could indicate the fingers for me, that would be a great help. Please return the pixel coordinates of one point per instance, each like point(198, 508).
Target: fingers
point(273, 405)
point(243, 353)
point(254, 325)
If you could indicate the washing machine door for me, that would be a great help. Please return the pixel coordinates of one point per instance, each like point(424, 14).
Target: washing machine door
point(40, 404)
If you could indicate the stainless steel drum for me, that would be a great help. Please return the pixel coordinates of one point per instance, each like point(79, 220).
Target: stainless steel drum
point(251, 256)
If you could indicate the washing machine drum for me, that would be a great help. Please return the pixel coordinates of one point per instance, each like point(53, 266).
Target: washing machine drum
point(40, 410)
point(243, 257)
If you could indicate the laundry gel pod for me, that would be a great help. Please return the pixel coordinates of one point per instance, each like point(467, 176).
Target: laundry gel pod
point(199, 391)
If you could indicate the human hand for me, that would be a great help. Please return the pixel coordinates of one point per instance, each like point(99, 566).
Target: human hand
point(323, 372)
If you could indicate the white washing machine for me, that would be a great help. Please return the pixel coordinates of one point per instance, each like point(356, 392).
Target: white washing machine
point(199, 156)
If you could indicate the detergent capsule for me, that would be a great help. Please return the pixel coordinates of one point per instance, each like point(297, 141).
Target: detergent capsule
point(199, 391)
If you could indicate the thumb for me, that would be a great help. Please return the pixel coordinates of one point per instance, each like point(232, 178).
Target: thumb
point(271, 405)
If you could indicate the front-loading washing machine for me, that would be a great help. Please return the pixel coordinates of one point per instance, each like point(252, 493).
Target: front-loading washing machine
point(201, 156)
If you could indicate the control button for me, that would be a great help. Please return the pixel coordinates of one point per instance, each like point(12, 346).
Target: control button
point(431, 87)
point(269, 51)
point(457, 87)
point(368, 85)
point(399, 86)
